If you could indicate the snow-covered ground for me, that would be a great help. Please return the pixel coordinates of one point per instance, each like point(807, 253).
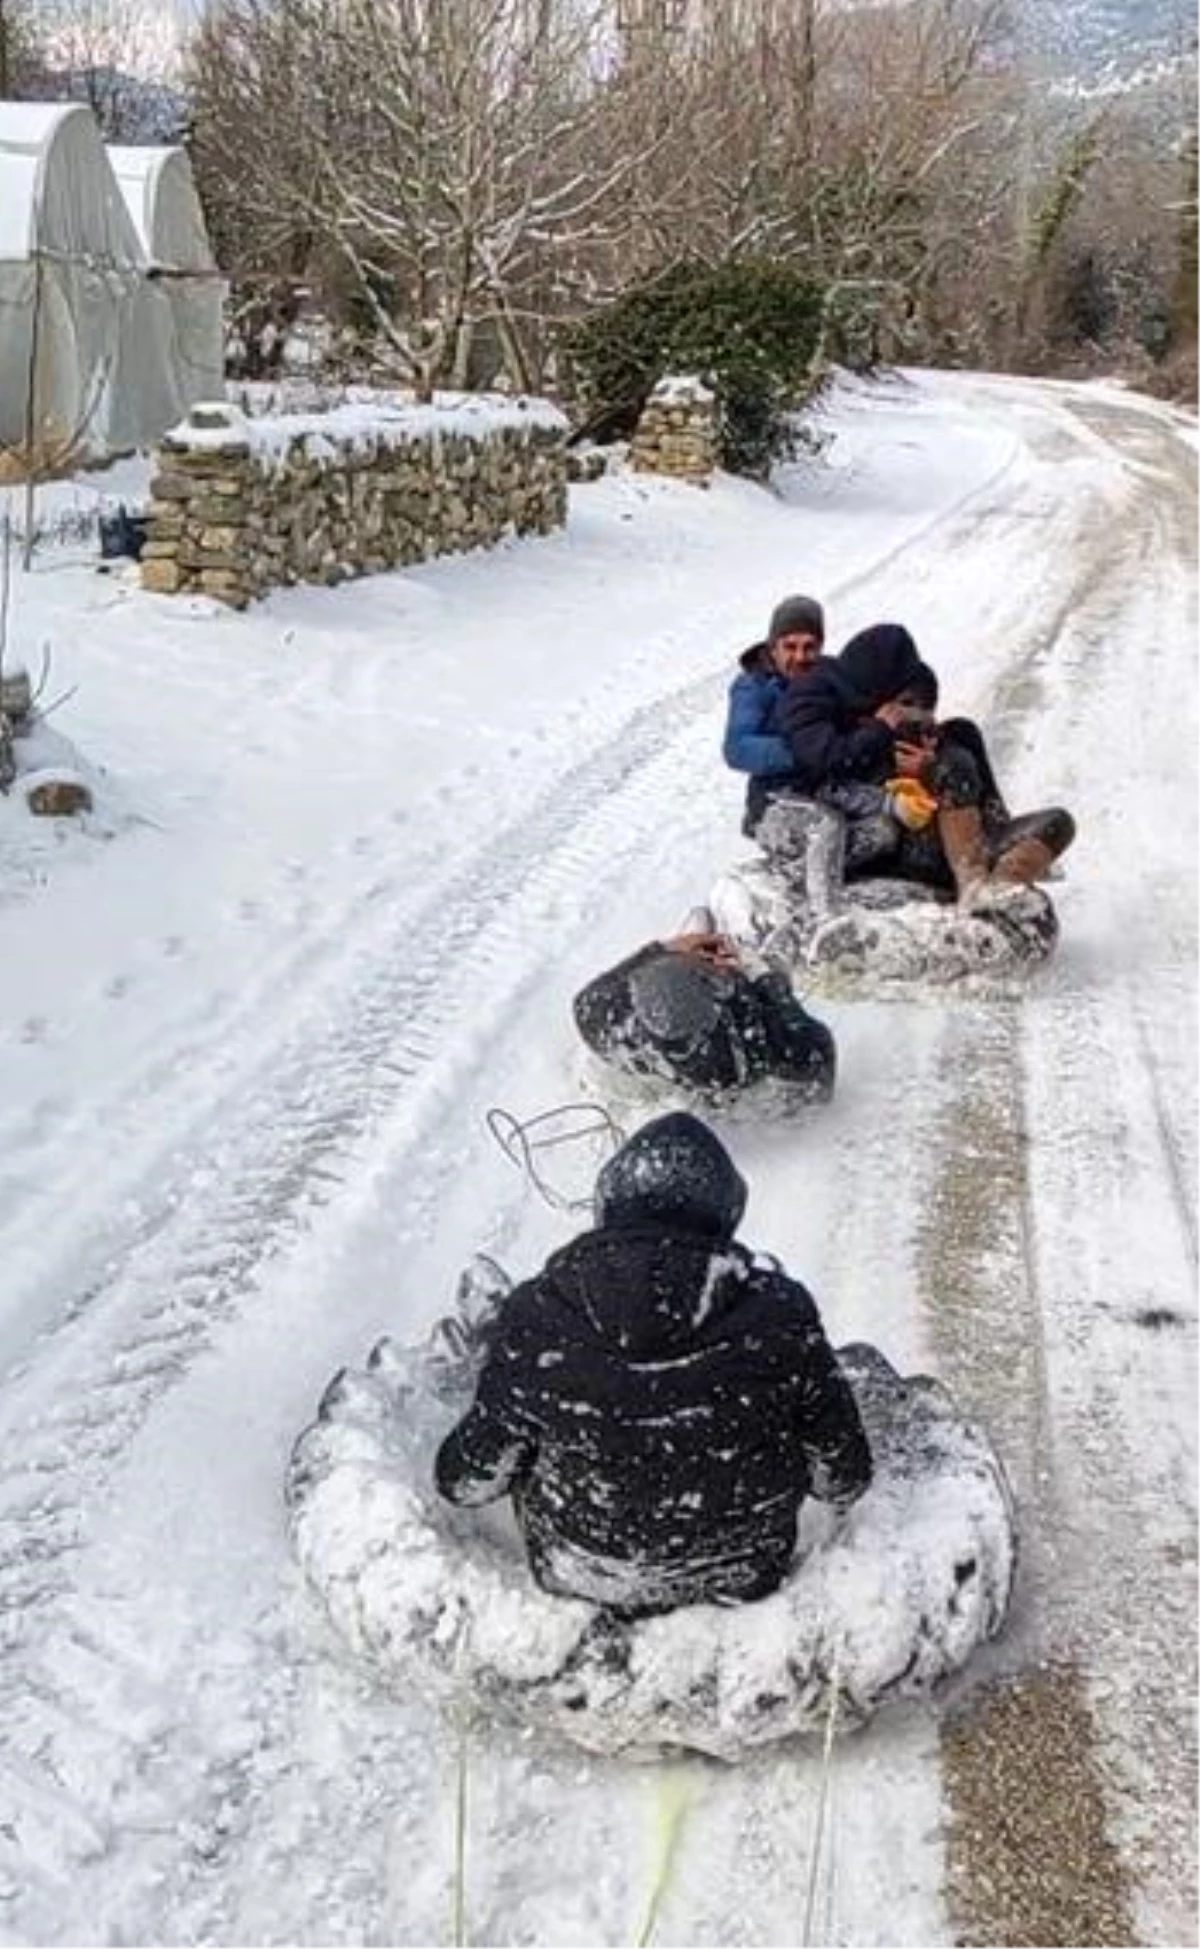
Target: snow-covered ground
point(354, 852)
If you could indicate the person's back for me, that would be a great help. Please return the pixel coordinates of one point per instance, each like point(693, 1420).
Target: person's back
point(684, 1011)
point(658, 1402)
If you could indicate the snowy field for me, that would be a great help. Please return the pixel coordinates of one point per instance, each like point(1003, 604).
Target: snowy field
point(352, 853)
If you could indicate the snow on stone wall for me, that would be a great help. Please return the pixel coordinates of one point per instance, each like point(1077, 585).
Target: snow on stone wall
point(242, 505)
point(677, 431)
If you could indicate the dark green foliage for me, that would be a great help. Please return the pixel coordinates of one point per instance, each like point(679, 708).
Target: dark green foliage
point(1183, 307)
point(748, 327)
point(1085, 307)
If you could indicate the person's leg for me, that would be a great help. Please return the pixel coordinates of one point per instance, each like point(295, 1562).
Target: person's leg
point(957, 782)
point(871, 836)
point(807, 842)
point(922, 857)
point(1025, 848)
point(963, 734)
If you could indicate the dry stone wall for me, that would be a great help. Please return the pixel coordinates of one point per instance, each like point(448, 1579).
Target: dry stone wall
point(677, 432)
point(241, 505)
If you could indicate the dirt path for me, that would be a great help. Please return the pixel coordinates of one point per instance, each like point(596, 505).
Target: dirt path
point(1060, 1254)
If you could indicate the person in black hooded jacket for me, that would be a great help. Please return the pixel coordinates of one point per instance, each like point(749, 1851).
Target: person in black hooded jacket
point(848, 724)
point(839, 718)
point(685, 1011)
point(657, 1401)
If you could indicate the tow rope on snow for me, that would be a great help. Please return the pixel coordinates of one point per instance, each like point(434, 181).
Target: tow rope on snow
point(674, 1805)
point(461, 1777)
point(570, 1123)
point(810, 1900)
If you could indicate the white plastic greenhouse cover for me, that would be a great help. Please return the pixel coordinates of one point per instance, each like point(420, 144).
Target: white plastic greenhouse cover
point(161, 198)
point(92, 359)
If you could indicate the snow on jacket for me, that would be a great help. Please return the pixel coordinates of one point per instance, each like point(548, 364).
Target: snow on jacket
point(658, 1403)
point(755, 1029)
point(827, 714)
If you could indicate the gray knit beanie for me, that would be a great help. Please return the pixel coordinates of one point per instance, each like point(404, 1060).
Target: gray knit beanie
point(795, 616)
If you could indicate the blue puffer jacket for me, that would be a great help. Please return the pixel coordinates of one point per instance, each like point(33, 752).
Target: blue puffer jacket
point(750, 745)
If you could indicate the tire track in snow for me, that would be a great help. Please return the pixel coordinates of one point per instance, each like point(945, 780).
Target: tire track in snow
point(205, 1254)
point(1124, 1353)
point(198, 1247)
point(1012, 1273)
point(133, 1325)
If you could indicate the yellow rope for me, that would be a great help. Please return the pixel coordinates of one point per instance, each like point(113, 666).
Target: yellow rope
point(674, 1804)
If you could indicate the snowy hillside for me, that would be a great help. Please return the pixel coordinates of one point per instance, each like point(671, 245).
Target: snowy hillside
point(1088, 37)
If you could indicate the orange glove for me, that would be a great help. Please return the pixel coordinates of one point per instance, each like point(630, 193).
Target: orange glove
point(913, 803)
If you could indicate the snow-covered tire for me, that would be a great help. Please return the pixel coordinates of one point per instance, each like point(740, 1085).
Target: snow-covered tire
point(629, 1097)
point(879, 1607)
point(888, 935)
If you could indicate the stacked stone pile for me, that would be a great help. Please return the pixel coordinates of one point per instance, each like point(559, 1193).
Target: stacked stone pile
point(677, 432)
point(240, 505)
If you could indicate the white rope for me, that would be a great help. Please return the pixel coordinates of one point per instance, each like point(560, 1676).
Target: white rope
point(822, 1800)
point(462, 1719)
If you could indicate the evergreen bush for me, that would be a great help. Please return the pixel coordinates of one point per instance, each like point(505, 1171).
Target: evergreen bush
point(748, 327)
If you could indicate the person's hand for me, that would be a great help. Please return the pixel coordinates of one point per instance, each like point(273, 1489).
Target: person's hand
point(893, 713)
point(912, 760)
point(716, 948)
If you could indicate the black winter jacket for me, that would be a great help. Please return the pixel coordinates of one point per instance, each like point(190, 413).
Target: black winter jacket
point(833, 741)
point(826, 715)
point(759, 1030)
point(658, 1403)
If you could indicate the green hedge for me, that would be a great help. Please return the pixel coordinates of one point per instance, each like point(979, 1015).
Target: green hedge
point(748, 327)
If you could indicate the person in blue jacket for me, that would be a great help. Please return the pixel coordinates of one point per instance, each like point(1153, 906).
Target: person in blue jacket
point(793, 644)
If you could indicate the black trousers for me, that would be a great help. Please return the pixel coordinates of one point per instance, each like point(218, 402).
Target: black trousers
point(962, 775)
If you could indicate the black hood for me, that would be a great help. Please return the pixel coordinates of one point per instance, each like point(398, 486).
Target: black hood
point(678, 999)
point(673, 1171)
point(878, 663)
point(757, 660)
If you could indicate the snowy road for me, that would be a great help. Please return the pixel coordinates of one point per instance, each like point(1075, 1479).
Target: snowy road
point(365, 844)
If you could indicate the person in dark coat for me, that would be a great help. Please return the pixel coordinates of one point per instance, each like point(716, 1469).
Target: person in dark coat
point(684, 1010)
point(839, 719)
point(793, 644)
point(658, 1401)
point(860, 724)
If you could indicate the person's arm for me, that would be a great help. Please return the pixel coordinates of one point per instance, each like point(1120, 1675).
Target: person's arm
point(821, 752)
point(802, 1049)
point(749, 746)
point(488, 1452)
point(834, 1445)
